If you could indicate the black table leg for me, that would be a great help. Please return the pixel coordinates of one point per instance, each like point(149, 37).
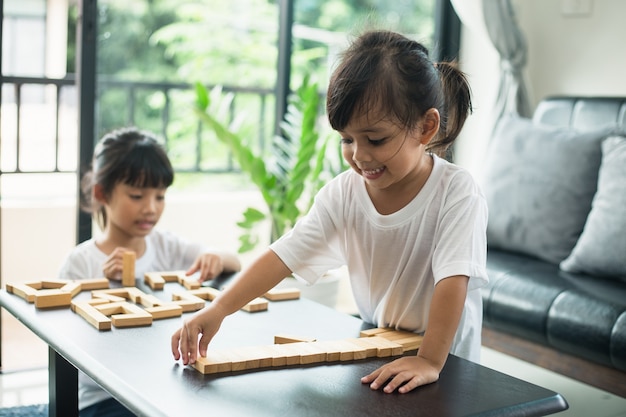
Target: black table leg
point(63, 386)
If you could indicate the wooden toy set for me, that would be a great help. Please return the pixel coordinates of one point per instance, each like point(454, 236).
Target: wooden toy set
point(128, 306)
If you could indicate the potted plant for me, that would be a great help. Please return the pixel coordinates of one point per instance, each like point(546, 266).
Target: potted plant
point(288, 178)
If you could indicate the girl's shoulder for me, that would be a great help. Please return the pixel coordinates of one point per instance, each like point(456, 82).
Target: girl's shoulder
point(454, 176)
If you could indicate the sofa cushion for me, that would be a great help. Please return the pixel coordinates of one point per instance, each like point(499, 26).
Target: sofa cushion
point(601, 249)
point(539, 182)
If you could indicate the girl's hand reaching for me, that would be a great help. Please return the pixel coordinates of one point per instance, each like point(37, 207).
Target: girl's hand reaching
point(404, 374)
point(210, 266)
point(112, 267)
point(204, 324)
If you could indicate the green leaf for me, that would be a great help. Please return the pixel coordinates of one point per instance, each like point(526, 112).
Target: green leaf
point(202, 97)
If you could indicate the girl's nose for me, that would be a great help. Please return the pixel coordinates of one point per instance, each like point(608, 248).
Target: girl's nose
point(150, 206)
point(360, 153)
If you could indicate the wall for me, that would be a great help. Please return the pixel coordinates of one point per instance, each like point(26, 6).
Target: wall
point(567, 55)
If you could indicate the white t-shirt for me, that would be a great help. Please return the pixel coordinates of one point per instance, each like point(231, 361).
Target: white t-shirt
point(395, 260)
point(164, 252)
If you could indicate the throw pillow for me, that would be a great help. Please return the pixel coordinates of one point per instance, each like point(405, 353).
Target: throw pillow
point(539, 182)
point(601, 249)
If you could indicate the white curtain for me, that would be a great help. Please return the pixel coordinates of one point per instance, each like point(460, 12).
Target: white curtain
point(496, 20)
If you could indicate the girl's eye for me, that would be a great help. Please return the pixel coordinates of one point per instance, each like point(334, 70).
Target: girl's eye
point(346, 141)
point(377, 142)
point(135, 196)
point(160, 197)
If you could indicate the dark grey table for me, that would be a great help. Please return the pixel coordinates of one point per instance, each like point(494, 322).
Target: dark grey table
point(136, 366)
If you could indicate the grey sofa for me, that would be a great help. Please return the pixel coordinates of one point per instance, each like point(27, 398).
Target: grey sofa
point(556, 189)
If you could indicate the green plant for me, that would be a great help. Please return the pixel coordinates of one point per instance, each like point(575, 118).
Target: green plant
point(296, 169)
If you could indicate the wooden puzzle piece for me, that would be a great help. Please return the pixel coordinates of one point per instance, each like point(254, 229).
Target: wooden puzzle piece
point(209, 293)
point(153, 305)
point(128, 268)
point(51, 293)
point(188, 301)
point(372, 343)
point(87, 310)
point(157, 280)
point(283, 338)
point(125, 314)
point(281, 294)
point(408, 340)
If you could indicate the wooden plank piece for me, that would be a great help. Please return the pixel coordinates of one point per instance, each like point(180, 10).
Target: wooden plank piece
point(282, 294)
point(52, 298)
point(128, 269)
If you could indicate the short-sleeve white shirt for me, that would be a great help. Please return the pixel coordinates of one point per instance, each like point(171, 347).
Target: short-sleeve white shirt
point(395, 260)
point(164, 252)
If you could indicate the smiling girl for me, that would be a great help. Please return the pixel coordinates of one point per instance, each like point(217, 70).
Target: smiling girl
point(410, 226)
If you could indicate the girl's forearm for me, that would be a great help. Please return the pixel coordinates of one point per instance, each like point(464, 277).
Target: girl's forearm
point(444, 317)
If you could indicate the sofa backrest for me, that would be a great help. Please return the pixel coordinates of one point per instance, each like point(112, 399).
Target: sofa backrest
point(584, 113)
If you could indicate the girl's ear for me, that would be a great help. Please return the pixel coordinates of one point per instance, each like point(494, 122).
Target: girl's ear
point(98, 194)
point(430, 125)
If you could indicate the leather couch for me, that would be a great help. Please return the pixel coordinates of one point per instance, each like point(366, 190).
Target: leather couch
point(573, 323)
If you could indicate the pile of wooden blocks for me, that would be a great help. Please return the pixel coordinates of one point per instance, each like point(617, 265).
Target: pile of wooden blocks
point(129, 306)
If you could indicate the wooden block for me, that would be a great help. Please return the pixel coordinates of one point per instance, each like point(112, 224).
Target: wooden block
point(358, 352)
point(189, 283)
point(333, 351)
point(411, 342)
point(279, 339)
point(154, 280)
point(187, 301)
point(290, 354)
point(206, 293)
point(72, 287)
point(111, 308)
point(165, 311)
point(373, 332)
point(157, 280)
point(99, 294)
point(385, 347)
point(131, 316)
point(266, 356)
point(149, 300)
point(393, 334)
point(91, 302)
point(53, 284)
point(24, 291)
point(52, 298)
point(258, 304)
point(128, 269)
point(215, 362)
point(91, 315)
point(93, 284)
point(255, 357)
point(277, 355)
point(131, 320)
point(371, 350)
point(309, 352)
point(239, 361)
point(280, 294)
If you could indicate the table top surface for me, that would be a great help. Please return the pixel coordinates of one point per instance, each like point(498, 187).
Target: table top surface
point(136, 366)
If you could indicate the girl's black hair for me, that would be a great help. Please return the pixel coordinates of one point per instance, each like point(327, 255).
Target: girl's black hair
point(127, 156)
point(388, 71)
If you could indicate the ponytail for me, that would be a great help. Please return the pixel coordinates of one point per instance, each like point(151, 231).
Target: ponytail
point(456, 108)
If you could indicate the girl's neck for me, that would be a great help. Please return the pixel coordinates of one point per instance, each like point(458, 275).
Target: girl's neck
point(399, 195)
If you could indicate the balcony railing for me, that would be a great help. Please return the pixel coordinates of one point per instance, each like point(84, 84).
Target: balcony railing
point(39, 122)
